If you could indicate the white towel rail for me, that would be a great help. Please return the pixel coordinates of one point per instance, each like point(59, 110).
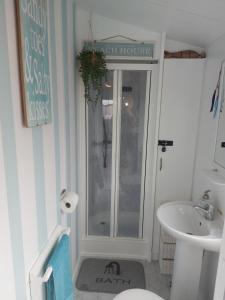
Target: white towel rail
point(48, 271)
point(36, 279)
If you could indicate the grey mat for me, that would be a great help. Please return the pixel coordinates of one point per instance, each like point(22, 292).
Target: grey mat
point(110, 276)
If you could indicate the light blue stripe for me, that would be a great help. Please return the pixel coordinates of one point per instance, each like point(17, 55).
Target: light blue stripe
point(76, 127)
point(66, 96)
point(10, 159)
point(38, 150)
point(74, 146)
point(66, 89)
point(75, 110)
point(55, 103)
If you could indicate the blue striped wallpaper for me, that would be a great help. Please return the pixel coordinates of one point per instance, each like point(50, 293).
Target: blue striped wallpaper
point(37, 137)
point(66, 95)
point(66, 88)
point(8, 125)
point(76, 133)
point(54, 94)
point(10, 160)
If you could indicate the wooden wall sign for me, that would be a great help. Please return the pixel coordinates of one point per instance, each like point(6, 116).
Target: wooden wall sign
point(119, 49)
point(32, 23)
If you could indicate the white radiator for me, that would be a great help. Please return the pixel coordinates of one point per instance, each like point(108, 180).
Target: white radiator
point(37, 276)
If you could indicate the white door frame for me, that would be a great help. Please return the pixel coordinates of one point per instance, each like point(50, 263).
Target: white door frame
point(122, 247)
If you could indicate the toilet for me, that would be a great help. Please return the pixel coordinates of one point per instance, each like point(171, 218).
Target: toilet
point(137, 294)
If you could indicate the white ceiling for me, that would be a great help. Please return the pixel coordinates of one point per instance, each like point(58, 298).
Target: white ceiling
point(197, 22)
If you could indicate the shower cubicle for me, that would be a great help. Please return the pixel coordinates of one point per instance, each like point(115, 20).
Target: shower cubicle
point(119, 157)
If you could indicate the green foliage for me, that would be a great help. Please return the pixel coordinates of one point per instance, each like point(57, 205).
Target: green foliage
point(93, 70)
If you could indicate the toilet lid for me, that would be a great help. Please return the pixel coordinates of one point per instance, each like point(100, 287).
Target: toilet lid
point(137, 294)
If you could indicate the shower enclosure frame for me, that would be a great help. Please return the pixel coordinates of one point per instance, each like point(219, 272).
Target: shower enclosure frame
point(113, 245)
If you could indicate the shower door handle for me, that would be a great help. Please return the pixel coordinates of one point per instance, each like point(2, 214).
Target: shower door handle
point(160, 164)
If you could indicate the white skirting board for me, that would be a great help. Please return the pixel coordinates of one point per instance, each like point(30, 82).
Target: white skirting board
point(118, 248)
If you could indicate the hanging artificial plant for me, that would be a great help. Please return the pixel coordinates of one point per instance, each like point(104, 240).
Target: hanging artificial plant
point(93, 71)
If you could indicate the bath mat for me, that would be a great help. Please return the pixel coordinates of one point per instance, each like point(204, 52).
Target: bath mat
point(110, 276)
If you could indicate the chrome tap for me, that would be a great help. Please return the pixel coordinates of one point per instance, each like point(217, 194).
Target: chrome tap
point(207, 210)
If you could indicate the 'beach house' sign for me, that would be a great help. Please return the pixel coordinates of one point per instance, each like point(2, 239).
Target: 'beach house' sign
point(119, 49)
point(34, 61)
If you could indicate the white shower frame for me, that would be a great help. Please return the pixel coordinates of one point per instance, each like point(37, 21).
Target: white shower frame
point(112, 246)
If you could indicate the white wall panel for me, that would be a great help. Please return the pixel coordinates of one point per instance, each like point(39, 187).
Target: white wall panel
point(50, 182)
point(181, 95)
point(71, 93)
point(205, 157)
point(60, 85)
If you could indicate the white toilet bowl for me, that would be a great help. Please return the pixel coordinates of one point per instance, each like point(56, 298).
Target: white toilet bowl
point(137, 294)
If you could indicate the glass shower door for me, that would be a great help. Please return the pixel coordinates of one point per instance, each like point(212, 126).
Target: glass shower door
point(99, 161)
point(131, 168)
point(116, 155)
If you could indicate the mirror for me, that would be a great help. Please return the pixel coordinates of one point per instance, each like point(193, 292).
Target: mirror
point(220, 141)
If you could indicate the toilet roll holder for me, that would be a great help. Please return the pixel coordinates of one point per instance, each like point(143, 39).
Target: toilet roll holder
point(69, 201)
point(63, 193)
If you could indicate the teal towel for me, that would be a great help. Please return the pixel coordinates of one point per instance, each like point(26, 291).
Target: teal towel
point(60, 285)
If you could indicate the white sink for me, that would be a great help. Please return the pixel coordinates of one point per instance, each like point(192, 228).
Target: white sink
point(193, 234)
point(182, 221)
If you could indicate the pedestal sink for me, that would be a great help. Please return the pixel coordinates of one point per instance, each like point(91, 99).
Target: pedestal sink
point(193, 234)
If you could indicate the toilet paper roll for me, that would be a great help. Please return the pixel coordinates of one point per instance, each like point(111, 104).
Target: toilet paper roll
point(69, 202)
